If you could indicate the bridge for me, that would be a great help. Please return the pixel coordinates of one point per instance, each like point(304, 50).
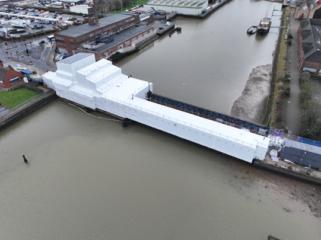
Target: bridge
point(102, 86)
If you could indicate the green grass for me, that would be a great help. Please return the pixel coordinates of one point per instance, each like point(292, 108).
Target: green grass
point(14, 98)
point(137, 2)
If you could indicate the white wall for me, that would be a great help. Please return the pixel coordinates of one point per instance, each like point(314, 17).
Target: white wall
point(79, 9)
point(180, 10)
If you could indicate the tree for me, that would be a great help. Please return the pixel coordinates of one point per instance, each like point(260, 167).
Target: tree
point(311, 126)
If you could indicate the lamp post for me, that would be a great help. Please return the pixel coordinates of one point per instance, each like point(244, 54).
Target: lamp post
point(268, 126)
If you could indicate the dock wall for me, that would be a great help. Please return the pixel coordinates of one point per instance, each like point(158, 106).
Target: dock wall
point(286, 172)
point(24, 111)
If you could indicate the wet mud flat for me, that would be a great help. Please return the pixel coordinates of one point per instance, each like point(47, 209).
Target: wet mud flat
point(252, 104)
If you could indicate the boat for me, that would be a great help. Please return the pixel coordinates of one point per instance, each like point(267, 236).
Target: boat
point(265, 25)
point(252, 30)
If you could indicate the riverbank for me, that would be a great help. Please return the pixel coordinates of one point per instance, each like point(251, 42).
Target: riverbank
point(27, 108)
point(304, 195)
point(252, 104)
point(263, 94)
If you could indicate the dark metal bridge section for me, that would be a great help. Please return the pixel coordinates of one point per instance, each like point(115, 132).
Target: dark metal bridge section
point(205, 113)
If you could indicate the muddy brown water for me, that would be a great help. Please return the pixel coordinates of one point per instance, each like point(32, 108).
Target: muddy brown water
point(93, 179)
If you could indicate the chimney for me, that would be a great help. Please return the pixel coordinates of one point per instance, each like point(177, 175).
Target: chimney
point(1, 64)
point(93, 21)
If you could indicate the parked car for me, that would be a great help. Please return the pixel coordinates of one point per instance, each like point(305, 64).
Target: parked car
point(54, 27)
point(49, 22)
point(85, 15)
point(41, 42)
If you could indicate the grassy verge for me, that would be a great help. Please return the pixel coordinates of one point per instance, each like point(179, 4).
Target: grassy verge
point(137, 2)
point(275, 107)
point(14, 98)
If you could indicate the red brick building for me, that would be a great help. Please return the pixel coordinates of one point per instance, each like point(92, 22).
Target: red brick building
point(309, 45)
point(69, 40)
point(125, 40)
point(9, 77)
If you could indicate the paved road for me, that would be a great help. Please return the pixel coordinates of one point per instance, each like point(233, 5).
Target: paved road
point(38, 57)
point(293, 114)
point(4, 111)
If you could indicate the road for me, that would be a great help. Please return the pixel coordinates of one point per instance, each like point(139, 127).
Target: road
point(15, 53)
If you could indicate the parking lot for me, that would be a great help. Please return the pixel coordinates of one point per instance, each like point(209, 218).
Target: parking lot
point(27, 19)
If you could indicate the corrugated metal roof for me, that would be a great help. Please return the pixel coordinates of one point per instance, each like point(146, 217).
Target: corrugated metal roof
point(301, 157)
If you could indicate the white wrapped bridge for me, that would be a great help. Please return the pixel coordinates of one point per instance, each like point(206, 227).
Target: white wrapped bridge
point(102, 86)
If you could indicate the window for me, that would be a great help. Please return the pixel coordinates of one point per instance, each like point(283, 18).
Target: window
point(73, 46)
point(120, 46)
point(71, 40)
point(96, 33)
point(61, 44)
point(132, 19)
point(127, 43)
point(60, 38)
point(14, 80)
point(81, 39)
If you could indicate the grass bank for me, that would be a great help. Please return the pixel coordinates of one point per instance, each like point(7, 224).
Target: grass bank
point(124, 8)
point(275, 106)
point(14, 98)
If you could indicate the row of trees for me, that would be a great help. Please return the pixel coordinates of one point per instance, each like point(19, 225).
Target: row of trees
point(105, 6)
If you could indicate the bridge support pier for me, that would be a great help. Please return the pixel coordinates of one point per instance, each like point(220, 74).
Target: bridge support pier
point(126, 122)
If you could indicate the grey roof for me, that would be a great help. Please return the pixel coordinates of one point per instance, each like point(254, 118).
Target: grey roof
point(311, 39)
point(3, 73)
point(122, 36)
point(301, 157)
point(302, 146)
point(75, 58)
point(70, 1)
point(85, 28)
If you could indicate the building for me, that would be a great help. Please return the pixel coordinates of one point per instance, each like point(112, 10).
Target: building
point(9, 77)
point(19, 2)
point(102, 86)
point(184, 7)
point(124, 41)
point(121, 27)
point(308, 9)
point(309, 45)
point(84, 9)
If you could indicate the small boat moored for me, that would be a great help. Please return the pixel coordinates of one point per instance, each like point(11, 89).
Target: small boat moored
point(265, 25)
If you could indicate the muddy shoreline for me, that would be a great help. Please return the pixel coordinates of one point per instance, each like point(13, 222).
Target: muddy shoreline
point(252, 104)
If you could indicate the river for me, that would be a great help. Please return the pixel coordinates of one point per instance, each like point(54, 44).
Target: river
point(89, 178)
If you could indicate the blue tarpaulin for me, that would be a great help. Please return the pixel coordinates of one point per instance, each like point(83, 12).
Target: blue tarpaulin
point(26, 72)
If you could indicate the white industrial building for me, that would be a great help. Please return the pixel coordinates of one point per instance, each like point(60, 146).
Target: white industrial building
point(80, 9)
point(185, 7)
point(101, 85)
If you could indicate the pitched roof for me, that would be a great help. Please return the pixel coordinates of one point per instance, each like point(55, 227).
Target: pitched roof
point(3, 73)
point(311, 39)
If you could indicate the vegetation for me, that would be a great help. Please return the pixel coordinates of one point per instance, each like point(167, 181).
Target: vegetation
point(13, 98)
point(310, 109)
point(122, 5)
point(278, 91)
